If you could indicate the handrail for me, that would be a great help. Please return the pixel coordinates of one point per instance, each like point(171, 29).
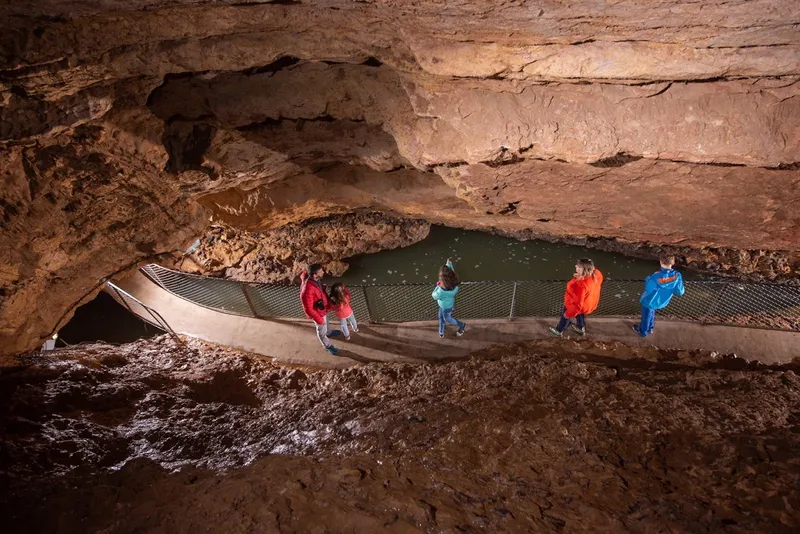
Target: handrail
point(158, 319)
point(762, 305)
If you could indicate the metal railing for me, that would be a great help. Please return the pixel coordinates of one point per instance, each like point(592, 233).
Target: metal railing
point(141, 310)
point(719, 302)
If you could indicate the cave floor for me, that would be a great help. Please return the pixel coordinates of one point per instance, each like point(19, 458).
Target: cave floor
point(534, 436)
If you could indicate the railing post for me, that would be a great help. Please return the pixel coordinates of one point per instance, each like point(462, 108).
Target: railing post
point(513, 302)
point(243, 287)
point(370, 315)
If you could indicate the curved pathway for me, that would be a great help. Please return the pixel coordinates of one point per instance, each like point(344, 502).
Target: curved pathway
point(293, 341)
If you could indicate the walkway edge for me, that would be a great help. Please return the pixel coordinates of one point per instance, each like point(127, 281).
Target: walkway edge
point(292, 341)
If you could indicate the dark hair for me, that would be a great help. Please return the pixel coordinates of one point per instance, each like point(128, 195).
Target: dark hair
point(666, 259)
point(448, 278)
point(313, 268)
point(337, 293)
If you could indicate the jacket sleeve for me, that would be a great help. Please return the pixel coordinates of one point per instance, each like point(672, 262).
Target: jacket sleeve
point(437, 293)
point(308, 299)
point(650, 285)
point(450, 266)
point(680, 289)
point(573, 298)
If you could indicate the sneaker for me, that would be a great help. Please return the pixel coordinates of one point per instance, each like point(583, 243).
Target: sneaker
point(636, 329)
point(580, 331)
point(554, 331)
point(355, 330)
point(441, 335)
point(347, 338)
point(334, 333)
point(333, 350)
point(460, 331)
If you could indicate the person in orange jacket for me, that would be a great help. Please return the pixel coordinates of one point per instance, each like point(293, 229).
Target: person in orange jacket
point(581, 298)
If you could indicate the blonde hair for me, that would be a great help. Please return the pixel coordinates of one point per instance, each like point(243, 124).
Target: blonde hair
point(585, 267)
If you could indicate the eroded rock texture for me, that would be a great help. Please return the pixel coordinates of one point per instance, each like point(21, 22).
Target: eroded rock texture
point(281, 255)
point(643, 123)
point(552, 436)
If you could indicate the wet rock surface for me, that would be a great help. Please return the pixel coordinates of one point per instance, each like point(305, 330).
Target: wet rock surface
point(281, 255)
point(543, 436)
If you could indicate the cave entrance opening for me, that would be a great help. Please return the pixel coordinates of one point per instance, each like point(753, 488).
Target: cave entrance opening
point(484, 256)
point(103, 319)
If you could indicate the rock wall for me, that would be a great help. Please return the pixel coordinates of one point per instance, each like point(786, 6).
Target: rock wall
point(280, 255)
point(124, 126)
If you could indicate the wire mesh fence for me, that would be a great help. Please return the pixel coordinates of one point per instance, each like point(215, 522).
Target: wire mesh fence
point(719, 302)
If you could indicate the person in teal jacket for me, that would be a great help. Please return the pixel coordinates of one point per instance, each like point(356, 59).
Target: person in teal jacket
point(659, 289)
point(445, 295)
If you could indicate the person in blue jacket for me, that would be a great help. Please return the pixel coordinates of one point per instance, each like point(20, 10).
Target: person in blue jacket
point(445, 295)
point(659, 288)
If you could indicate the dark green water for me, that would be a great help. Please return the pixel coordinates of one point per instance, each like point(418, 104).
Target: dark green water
point(482, 256)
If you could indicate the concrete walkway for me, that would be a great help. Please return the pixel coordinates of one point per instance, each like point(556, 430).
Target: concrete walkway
point(294, 341)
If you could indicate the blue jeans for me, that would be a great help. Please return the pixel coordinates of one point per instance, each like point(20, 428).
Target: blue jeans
point(563, 323)
point(446, 316)
point(352, 320)
point(648, 321)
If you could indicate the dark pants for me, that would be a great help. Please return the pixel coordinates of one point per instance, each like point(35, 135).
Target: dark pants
point(564, 322)
point(648, 321)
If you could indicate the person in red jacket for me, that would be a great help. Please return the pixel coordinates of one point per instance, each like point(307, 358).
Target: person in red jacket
point(316, 305)
point(581, 298)
point(340, 304)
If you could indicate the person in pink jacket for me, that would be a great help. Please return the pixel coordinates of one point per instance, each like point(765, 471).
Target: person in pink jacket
point(340, 303)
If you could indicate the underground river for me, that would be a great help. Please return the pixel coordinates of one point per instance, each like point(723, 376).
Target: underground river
point(483, 256)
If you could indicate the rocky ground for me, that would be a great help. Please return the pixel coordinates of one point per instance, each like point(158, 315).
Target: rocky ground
point(539, 436)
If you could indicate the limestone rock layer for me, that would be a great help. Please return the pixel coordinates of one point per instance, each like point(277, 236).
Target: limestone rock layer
point(125, 126)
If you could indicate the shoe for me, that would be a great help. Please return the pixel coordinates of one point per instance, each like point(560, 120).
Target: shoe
point(347, 338)
point(554, 331)
point(636, 329)
point(334, 333)
point(355, 330)
point(580, 331)
point(441, 335)
point(333, 350)
point(460, 331)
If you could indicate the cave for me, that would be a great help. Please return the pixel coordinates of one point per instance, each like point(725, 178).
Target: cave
point(207, 152)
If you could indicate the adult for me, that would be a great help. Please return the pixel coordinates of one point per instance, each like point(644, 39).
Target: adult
point(314, 297)
point(659, 289)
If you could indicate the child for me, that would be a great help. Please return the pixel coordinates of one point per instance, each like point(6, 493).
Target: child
point(581, 298)
point(445, 295)
point(340, 303)
point(659, 288)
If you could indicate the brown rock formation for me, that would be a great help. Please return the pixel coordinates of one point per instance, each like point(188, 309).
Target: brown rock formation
point(281, 255)
point(661, 123)
point(541, 436)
